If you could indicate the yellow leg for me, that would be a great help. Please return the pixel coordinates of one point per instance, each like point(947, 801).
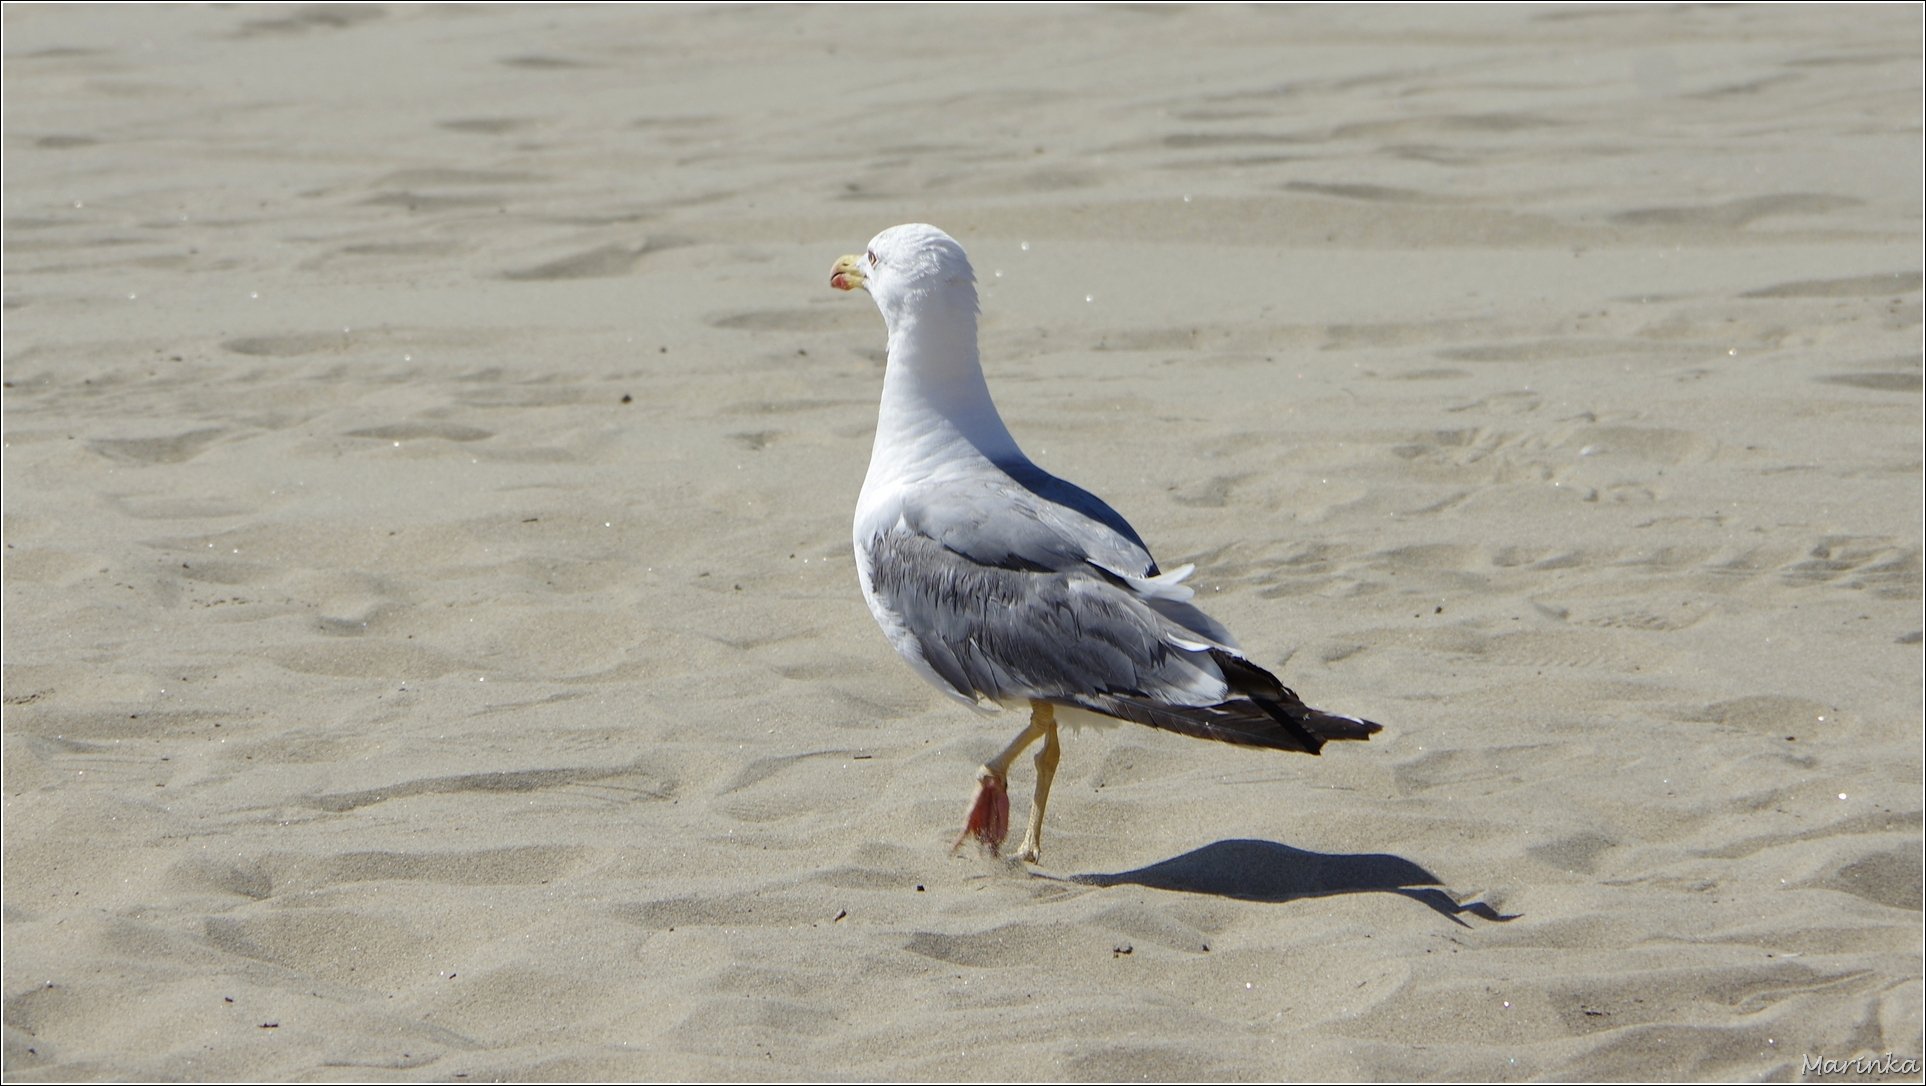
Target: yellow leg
point(1042, 720)
point(1043, 717)
point(989, 817)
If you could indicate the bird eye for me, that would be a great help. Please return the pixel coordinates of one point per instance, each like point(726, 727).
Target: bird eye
point(872, 258)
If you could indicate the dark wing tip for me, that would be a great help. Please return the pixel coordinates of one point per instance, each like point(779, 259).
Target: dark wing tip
point(1312, 728)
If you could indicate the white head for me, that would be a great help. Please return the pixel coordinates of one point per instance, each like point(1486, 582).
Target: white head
point(910, 270)
point(935, 402)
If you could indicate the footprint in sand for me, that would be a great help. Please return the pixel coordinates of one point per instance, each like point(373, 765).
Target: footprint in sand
point(1857, 286)
point(600, 262)
point(487, 126)
point(615, 784)
point(1735, 214)
point(305, 20)
point(823, 319)
point(417, 430)
point(290, 346)
point(1771, 714)
point(1887, 567)
point(1890, 381)
point(1890, 877)
point(171, 449)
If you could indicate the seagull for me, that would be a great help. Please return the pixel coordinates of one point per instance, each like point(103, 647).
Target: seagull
point(1005, 586)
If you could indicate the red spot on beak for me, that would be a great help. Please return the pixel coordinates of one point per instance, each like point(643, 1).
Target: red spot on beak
point(846, 273)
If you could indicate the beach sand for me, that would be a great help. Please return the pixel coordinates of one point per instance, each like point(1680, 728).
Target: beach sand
point(433, 647)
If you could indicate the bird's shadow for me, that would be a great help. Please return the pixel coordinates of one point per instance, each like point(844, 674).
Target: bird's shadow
point(1268, 871)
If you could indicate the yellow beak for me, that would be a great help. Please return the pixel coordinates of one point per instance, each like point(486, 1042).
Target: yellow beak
point(847, 273)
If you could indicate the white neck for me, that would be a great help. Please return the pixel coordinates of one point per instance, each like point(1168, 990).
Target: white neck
point(936, 409)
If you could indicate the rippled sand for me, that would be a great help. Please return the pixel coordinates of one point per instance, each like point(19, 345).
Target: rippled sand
point(432, 643)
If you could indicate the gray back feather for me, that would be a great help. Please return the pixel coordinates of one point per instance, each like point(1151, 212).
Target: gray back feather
point(1014, 627)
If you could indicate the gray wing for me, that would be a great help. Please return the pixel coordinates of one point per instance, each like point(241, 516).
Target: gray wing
point(1007, 594)
point(1033, 521)
point(1015, 629)
point(1028, 519)
point(1080, 638)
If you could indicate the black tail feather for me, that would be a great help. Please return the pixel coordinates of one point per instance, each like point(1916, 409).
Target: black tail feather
point(1267, 714)
point(1310, 727)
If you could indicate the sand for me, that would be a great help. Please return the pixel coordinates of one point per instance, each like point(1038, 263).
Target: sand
point(433, 648)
